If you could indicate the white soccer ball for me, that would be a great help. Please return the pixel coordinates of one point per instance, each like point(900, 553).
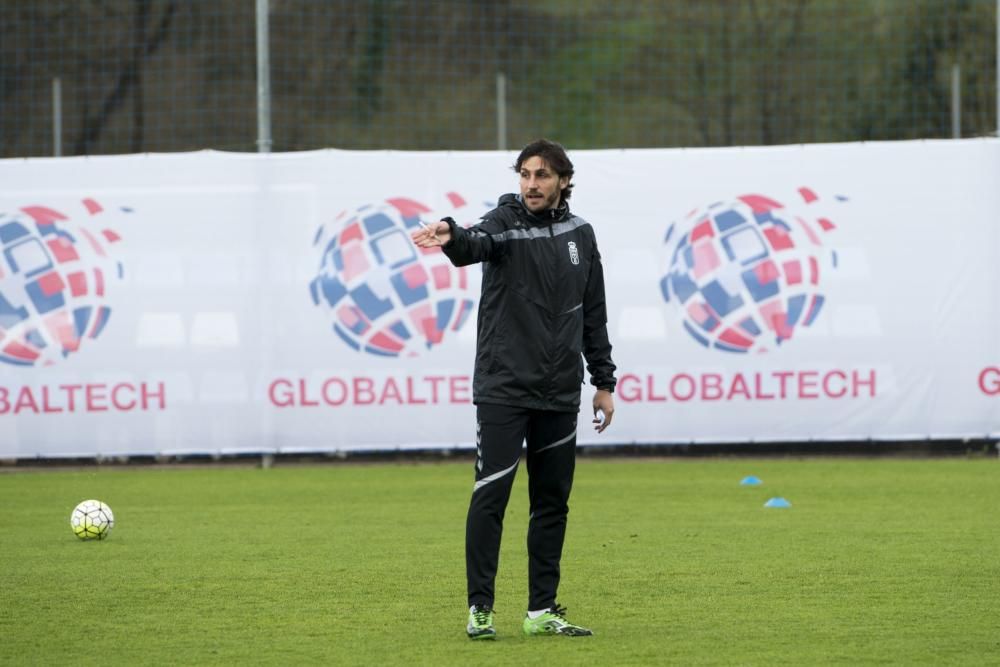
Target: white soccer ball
point(92, 520)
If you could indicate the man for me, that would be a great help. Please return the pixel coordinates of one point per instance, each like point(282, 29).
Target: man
point(542, 307)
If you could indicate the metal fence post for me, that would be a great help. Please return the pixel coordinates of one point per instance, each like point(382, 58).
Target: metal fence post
point(57, 117)
point(956, 101)
point(501, 111)
point(263, 79)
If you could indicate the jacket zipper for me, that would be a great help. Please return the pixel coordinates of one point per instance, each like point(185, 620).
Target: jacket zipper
point(552, 344)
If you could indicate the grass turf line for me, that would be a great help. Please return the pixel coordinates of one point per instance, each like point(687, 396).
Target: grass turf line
point(891, 561)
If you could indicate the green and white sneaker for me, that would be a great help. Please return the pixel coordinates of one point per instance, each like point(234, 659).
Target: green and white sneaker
point(553, 622)
point(481, 623)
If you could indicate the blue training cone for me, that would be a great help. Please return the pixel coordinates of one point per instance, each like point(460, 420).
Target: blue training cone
point(777, 502)
point(751, 481)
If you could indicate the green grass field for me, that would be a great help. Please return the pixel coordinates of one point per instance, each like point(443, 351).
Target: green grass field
point(671, 562)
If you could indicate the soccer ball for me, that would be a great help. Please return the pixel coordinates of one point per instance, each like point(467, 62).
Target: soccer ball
point(92, 520)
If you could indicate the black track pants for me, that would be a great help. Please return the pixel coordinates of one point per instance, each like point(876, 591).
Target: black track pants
point(551, 459)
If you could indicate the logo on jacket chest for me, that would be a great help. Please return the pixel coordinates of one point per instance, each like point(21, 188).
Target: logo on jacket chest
point(574, 256)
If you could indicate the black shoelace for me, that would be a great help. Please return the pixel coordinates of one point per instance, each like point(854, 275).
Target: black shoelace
point(558, 611)
point(482, 614)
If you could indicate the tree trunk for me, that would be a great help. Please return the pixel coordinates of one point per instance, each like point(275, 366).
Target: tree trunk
point(129, 80)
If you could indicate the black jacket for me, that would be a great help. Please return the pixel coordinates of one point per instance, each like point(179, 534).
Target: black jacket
point(542, 306)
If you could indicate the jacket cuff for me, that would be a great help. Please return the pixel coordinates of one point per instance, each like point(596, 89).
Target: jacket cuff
point(453, 225)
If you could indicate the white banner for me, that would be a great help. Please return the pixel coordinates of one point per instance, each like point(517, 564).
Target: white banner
point(213, 303)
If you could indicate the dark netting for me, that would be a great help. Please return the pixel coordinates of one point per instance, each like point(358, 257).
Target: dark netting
point(174, 75)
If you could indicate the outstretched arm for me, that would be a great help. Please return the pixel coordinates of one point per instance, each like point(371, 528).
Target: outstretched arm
point(462, 246)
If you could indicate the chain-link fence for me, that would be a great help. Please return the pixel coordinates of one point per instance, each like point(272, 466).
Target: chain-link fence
point(112, 76)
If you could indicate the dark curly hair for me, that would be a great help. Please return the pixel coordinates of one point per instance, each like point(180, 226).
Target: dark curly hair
point(555, 156)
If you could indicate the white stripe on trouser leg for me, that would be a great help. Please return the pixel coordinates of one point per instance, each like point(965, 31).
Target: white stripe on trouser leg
point(494, 477)
point(568, 438)
point(479, 447)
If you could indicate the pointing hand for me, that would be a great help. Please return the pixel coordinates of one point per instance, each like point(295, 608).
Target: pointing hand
point(432, 235)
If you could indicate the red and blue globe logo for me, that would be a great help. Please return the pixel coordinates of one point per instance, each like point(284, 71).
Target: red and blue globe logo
point(744, 274)
point(385, 296)
point(56, 273)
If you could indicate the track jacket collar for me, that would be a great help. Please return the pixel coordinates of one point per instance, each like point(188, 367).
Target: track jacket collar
point(547, 217)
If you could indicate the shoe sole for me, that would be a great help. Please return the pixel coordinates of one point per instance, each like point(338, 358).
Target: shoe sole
point(559, 634)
